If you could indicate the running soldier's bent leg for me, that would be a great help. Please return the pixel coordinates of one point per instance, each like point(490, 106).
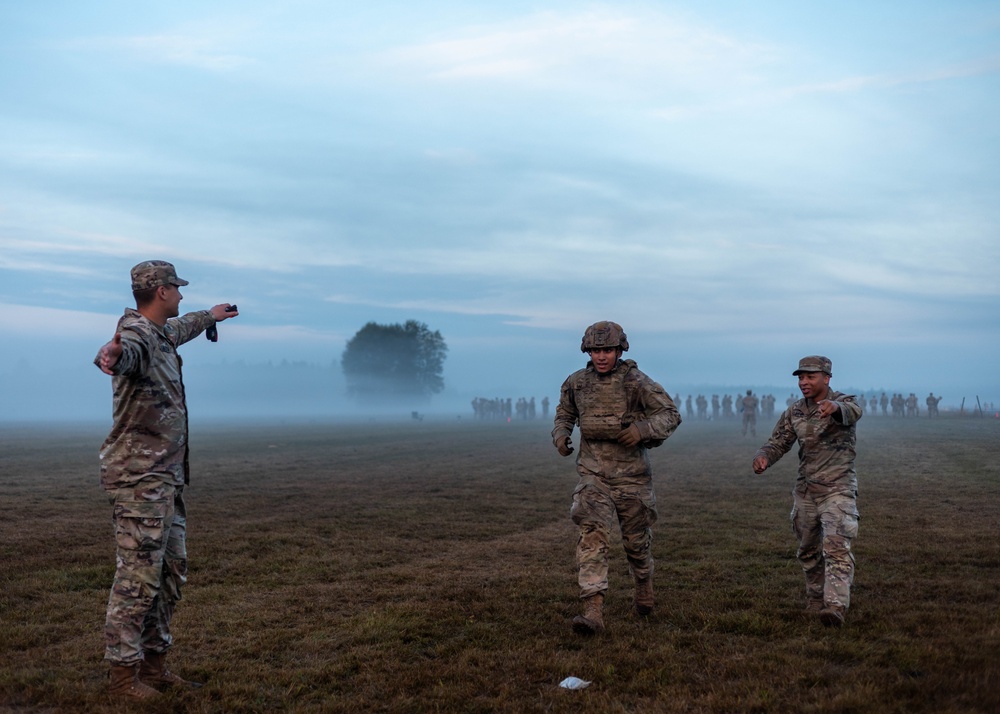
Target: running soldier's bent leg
point(636, 508)
point(592, 511)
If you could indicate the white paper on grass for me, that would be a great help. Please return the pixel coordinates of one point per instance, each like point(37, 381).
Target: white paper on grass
point(574, 683)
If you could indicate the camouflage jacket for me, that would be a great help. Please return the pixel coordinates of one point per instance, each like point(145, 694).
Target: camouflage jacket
point(827, 446)
point(604, 404)
point(149, 435)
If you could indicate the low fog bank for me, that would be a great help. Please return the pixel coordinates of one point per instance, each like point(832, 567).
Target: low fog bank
point(311, 391)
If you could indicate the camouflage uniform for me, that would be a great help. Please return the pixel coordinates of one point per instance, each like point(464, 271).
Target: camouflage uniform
point(824, 512)
point(614, 479)
point(144, 468)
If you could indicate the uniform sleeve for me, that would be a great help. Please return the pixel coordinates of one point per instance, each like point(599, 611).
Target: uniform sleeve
point(849, 411)
point(661, 416)
point(134, 359)
point(566, 412)
point(187, 327)
point(782, 439)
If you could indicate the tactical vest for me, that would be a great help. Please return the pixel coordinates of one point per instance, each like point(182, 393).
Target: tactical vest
point(602, 404)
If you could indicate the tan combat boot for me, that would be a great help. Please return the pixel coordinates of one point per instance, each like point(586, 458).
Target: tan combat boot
point(644, 596)
point(124, 683)
point(153, 671)
point(813, 606)
point(832, 616)
point(591, 621)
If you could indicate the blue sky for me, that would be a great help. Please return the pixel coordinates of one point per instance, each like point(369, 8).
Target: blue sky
point(738, 184)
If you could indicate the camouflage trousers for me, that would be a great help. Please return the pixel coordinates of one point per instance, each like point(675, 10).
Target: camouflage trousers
point(596, 503)
point(825, 526)
point(749, 421)
point(151, 566)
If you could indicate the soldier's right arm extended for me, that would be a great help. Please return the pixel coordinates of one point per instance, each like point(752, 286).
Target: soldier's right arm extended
point(125, 354)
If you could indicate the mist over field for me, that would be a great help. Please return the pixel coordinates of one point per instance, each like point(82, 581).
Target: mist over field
point(60, 384)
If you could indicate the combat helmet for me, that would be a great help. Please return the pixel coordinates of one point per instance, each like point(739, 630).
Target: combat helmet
point(604, 334)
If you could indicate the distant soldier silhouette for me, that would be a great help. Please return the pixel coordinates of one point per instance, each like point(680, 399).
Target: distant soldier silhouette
point(748, 405)
point(932, 405)
point(767, 405)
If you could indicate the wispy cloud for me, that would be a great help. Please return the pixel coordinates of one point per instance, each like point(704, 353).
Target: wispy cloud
point(205, 48)
point(595, 47)
point(763, 95)
point(186, 50)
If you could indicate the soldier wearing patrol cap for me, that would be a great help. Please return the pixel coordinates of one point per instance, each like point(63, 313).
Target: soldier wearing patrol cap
point(144, 468)
point(154, 273)
point(621, 414)
point(824, 511)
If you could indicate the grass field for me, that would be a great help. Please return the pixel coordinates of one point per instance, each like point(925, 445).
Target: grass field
point(428, 566)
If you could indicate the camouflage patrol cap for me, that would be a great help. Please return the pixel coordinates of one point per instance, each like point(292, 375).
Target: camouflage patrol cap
point(814, 363)
point(604, 334)
point(153, 273)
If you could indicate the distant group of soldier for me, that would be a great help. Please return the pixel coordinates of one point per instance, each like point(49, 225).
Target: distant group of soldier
point(697, 407)
point(506, 409)
point(749, 406)
point(901, 406)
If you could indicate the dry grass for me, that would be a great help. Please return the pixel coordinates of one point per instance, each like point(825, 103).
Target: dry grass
point(428, 566)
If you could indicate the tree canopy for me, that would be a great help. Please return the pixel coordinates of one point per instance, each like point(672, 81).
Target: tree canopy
point(385, 361)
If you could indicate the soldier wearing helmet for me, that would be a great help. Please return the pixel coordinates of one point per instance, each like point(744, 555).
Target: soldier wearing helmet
point(824, 507)
point(620, 413)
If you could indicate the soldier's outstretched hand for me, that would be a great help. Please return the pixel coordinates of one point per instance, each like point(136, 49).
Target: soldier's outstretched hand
point(760, 464)
point(109, 354)
point(223, 311)
point(564, 446)
point(827, 408)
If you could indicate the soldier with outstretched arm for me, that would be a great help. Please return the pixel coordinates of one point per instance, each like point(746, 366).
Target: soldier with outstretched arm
point(144, 469)
point(824, 511)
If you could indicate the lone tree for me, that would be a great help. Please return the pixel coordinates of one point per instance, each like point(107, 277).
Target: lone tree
point(386, 361)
